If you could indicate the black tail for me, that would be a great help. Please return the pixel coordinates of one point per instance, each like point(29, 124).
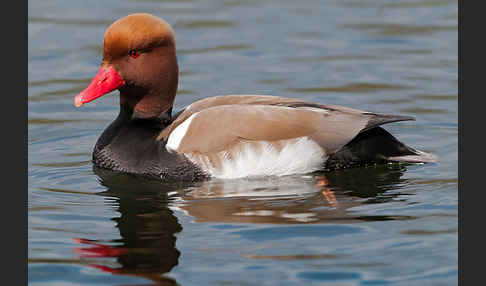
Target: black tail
point(375, 145)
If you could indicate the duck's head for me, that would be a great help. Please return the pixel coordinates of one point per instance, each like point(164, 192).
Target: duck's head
point(139, 59)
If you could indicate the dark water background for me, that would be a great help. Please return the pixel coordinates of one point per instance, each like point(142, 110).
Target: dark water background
point(381, 225)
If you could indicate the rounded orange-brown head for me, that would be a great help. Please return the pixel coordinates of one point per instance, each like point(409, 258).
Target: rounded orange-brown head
point(139, 59)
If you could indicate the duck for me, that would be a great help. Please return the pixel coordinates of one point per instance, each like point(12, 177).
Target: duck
point(224, 136)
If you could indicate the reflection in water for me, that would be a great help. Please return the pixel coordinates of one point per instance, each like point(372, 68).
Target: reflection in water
point(147, 229)
point(319, 198)
point(147, 224)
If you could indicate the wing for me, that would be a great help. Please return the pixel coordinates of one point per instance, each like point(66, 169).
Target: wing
point(225, 100)
point(216, 123)
point(221, 128)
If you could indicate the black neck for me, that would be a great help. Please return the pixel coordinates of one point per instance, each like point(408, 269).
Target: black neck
point(146, 102)
point(161, 120)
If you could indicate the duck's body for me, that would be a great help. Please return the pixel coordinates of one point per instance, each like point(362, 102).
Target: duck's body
point(247, 135)
point(224, 136)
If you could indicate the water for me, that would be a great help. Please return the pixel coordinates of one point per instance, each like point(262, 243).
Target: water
point(380, 225)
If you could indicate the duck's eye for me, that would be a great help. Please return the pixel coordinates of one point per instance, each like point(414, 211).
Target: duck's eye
point(133, 53)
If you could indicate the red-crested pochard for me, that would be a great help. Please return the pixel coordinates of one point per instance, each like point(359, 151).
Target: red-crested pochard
point(227, 136)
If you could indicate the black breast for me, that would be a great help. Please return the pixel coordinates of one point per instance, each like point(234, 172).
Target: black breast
point(131, 147)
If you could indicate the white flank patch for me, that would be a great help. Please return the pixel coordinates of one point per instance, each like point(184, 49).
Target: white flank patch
point(178, 134)
point(298, 156)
